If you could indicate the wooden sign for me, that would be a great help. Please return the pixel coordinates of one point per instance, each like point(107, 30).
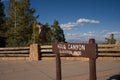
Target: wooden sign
point(79, 49)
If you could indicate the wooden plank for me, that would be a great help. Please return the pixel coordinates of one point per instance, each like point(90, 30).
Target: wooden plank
point(15, 52)
point(109, 55)
point(46, 46)
point(48, 55)
point(14, 55)
point(14, 48)
point(46, 50)
point(99, 55)
point(111, 49)
point(108, 45)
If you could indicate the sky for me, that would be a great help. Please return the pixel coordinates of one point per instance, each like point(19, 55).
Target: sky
point(81, 19)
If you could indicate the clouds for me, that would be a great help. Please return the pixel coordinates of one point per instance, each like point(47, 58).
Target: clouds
point(115, 33)
point(79, 21)
point(98, 36)
point(68, 26)
point(87, 33)
point(71, 25)
point(80, 36)
point(90, 34)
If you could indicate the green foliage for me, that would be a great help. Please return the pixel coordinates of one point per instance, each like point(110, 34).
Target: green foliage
point(2, 19)
point(57, 32)
point(110, 40)
point(41, 34)
point(19, 28)
point(48, 34)
point(2, 25)
point(45, 34)
point(20, 22)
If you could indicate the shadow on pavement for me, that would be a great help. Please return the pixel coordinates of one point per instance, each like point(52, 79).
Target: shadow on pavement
point(115, 77)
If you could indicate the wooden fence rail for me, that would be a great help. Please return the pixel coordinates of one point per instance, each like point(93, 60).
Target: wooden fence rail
point(46, 51)
point(109, 50)
point(14, 52)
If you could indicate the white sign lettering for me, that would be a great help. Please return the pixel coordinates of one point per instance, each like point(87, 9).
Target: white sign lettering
point(71, 46)
point(76, 47)
point(77, 53)
point(73, 49)
point(61, 46)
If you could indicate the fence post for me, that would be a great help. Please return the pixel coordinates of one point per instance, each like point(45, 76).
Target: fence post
point(92, 64)
point(34, 52)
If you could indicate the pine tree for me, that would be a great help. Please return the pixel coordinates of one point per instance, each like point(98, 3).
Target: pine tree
point(2, 25)
point(20, 22)
point(57, 32)
point(48, 34)
point(2, 19)
point(45, 35)
point(110, 40)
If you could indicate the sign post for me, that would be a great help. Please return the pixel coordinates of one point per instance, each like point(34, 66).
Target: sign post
point(92, 64)
point(88, 50)
point(58, 62)
point(58, 67)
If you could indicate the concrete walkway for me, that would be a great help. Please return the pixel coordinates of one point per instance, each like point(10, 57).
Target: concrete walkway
point(46, 70)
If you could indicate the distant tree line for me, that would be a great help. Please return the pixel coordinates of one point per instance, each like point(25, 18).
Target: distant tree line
point(19, 26)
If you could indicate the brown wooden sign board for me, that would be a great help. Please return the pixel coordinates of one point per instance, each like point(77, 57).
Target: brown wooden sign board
point(88, 50)
point(79, 49)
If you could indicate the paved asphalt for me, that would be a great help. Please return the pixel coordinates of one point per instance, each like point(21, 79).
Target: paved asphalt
point(46, 70)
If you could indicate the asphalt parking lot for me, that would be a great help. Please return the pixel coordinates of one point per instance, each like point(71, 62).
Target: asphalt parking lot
point(46, 70)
